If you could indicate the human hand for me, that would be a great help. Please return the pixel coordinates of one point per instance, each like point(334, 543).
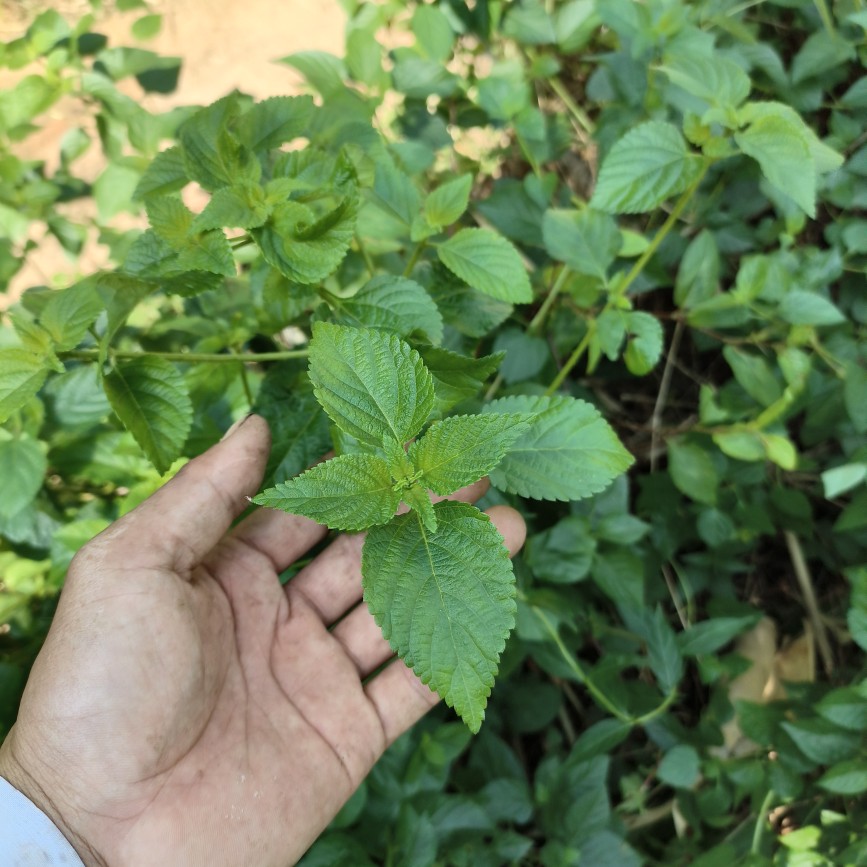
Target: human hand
point(186, 709)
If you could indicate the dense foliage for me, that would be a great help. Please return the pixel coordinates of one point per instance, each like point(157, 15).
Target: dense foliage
point(519, 228)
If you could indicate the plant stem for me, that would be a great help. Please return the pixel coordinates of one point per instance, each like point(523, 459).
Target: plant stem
point(368, 262)
point(538, 320)
point(191, 357)
point(662, 396)
point(581, 116)
point(760, 822)
point(245, 382)
point(240, 241)
point(825, 15)
point(574, 358)
point(416, 255)
point(661, 235)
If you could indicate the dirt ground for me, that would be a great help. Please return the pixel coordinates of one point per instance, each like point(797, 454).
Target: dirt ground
point(225, 44)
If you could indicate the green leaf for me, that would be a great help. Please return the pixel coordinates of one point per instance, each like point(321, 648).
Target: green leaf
point(448, 201)
point(391, 304)
point(644, 343)
point(742, 445)
point(854, 389)
point(569, 452)
point(349, 492)
point(699, 271)
point(242, 205)
point(711, 77)
point(680, 767)
point(487, 262)
point(587, 241)
point(433, 33)
point(822, 741)
point(323, 71)
point(845, 707)
point(468, 311)
point(167, 173)
point(147, 27)
point(70, 312)
point(710, 635)
point(460, 450)
point(783, 155)
point(645, 167)
point(564, 553)
point(457, 378)
point(303, 247)
point(22, 374)
point(22, 468)
point(275, 121)
point(821, 52)
point(445, 601)
point(150, 397)
point(754, 375)
point(841, 479)
point(663, 652)
point(418, 499)
point(693, 471)
point(372, 385)
point(845, 778)
point(800, 307)
point(526, 354)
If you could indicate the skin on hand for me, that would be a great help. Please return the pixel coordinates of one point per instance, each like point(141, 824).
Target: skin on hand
point(186, 708)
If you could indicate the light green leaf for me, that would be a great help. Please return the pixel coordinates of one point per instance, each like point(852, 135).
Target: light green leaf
point(526, 354)
point(21, 376)
point(680, 767)
point(822, 741)
point(448, 201)
point(841, 479)
point(587, 241)
point(457, 378)
point(391, 304)
point(845, 707)
point(349, 492)
point(166, 174)
point(854, 389)
point(784, 157)
point(302, 247)
point(460, 450)
point(845, 778)
point(569, 452)
point(699, 270)
point(644, 344)
point(147, 27)
point(418, 499)
point(241, 205)
point(645, 167)
point(22, 468)
point(445, 601)
point(800, 307)
point(780, 450)
point(822, 51)
point(742, 445)
point(150, 397)
point(433, 32)
point(372, 385)
point(754, 375)
point(487, 262)
point(275, 121)
point(693, 471)
point(70, 312)
point(711, 77)
point(323, 71)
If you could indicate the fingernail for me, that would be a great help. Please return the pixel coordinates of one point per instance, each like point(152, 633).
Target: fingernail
point(235, 427)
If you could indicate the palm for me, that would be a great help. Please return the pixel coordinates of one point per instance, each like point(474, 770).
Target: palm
point(209, 717)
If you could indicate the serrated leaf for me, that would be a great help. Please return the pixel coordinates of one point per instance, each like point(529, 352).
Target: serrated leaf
point(418, 499)
point(711, 77)
point(303, 247)
point(645, 167)
point(275, 121)
point(70, 312)
point(487, 262)
point(644, 344)
point(240, 206)
point(710, 635)
point(372, 385)
point(845, 778)
point(166, 174)
point(783, 155)
point(457, 378)
point(587, 241)
point(150, 397)
point(462, 449)
point(393, 304)
point(448, 201)
point(445, 601)
point(323, 71)
point(568, 453)
point(468, 311)
point(22, 468)
point(22, 374)
point(349, 492)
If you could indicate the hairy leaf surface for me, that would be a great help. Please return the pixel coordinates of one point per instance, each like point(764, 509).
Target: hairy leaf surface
point(372, 385)
point(569, 451)
point(456, 377)
point(445, 601)
point(349, 492)
point(21, 376)
point(460, 450)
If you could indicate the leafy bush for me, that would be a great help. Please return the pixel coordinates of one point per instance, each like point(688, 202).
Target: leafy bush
point(525, 217)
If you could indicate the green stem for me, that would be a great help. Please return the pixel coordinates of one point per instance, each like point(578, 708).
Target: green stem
point(368, 262)
point(825, 15)
point(574, 358)
point(661, 235)
point(759, 829)
point(190, 357)
point(495, 387)
point(245, 381)
point(413, 260)
point(581, 117)
point(240, 241)
point(538, 320)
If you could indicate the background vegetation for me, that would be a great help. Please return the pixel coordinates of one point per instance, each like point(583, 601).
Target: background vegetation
point(685, 184)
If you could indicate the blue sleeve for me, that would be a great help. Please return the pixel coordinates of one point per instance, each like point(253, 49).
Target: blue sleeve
point(28, 838)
